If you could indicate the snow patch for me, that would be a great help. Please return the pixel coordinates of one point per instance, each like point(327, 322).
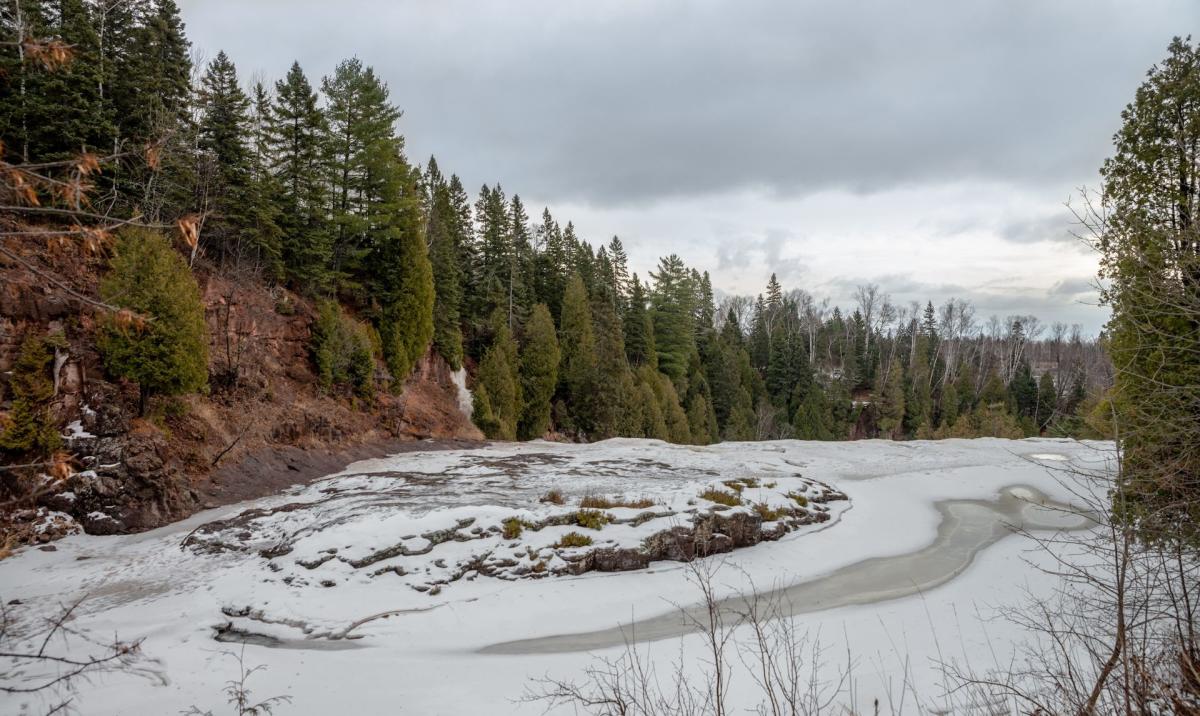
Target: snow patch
point(465, 400)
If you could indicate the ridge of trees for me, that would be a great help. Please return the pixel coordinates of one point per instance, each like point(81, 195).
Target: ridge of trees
point(307, 183)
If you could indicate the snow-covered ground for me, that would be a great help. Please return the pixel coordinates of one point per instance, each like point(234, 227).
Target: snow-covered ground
point(392, 586)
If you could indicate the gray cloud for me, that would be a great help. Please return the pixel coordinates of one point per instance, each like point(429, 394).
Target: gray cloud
point(625, 102)
point(745, 252)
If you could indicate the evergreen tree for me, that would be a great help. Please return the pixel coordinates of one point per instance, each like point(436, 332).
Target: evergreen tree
point(152, 88)
point(539, 372)
point(240, 225)
point(614, 385)
point(400, 282)
point(891, 405)
point(442, 235)
point(500, 380)
point(577, 342)
point(361, 137)
point(295, 135)
point(639, 329)
point(30, 427)
point(342, 351)
point(69, 118)
point(519, 257)
point(168, 353)
point(1047, 401)
point(1150, 255)
point(491, 273)
point(672, 301)
point(622, 285)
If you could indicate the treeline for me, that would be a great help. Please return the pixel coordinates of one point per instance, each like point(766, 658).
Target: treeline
point(312, 189)
point(306, 184)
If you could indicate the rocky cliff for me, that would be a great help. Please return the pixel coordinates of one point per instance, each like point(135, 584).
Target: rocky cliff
point(262, 424)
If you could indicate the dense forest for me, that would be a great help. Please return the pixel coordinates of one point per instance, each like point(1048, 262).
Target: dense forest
point(305, 183)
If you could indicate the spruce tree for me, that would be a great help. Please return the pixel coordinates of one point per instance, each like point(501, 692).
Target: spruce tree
point(296, 132)
point(672, 301)
point(613, 385)
point(361, 140)
point(442, 238)
point(1047, 401)
point(151, 93)
point(577, 342)
point(539, 372)
point(639, 328)
point(232, 230)
point(69, 117)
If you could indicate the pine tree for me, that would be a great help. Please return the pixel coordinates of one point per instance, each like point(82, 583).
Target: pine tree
point(26, 106)
point(296, 132)
point(167, 355)
point(491, 273)
point(622, 285)
point(539, 372)
point(549, 265)
point(262, 191)
point(342, 351)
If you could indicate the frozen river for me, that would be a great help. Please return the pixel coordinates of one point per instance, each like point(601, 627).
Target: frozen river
point(330, 585)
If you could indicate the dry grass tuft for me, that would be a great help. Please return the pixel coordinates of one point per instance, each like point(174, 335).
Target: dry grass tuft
point(721, 497)
point(554, 497)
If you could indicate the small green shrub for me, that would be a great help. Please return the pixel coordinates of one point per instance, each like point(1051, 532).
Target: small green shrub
point(30, 427)
point(592, 519)
point(553, 497)
point(574, 539)
point(342, 350)
point(721, 497)
point(161, 341)
point(512, 528)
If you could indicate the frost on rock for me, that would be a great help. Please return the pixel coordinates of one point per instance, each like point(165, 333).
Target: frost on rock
point(433, 519)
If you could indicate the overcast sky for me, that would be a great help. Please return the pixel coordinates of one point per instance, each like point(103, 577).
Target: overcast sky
point(925, 146)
